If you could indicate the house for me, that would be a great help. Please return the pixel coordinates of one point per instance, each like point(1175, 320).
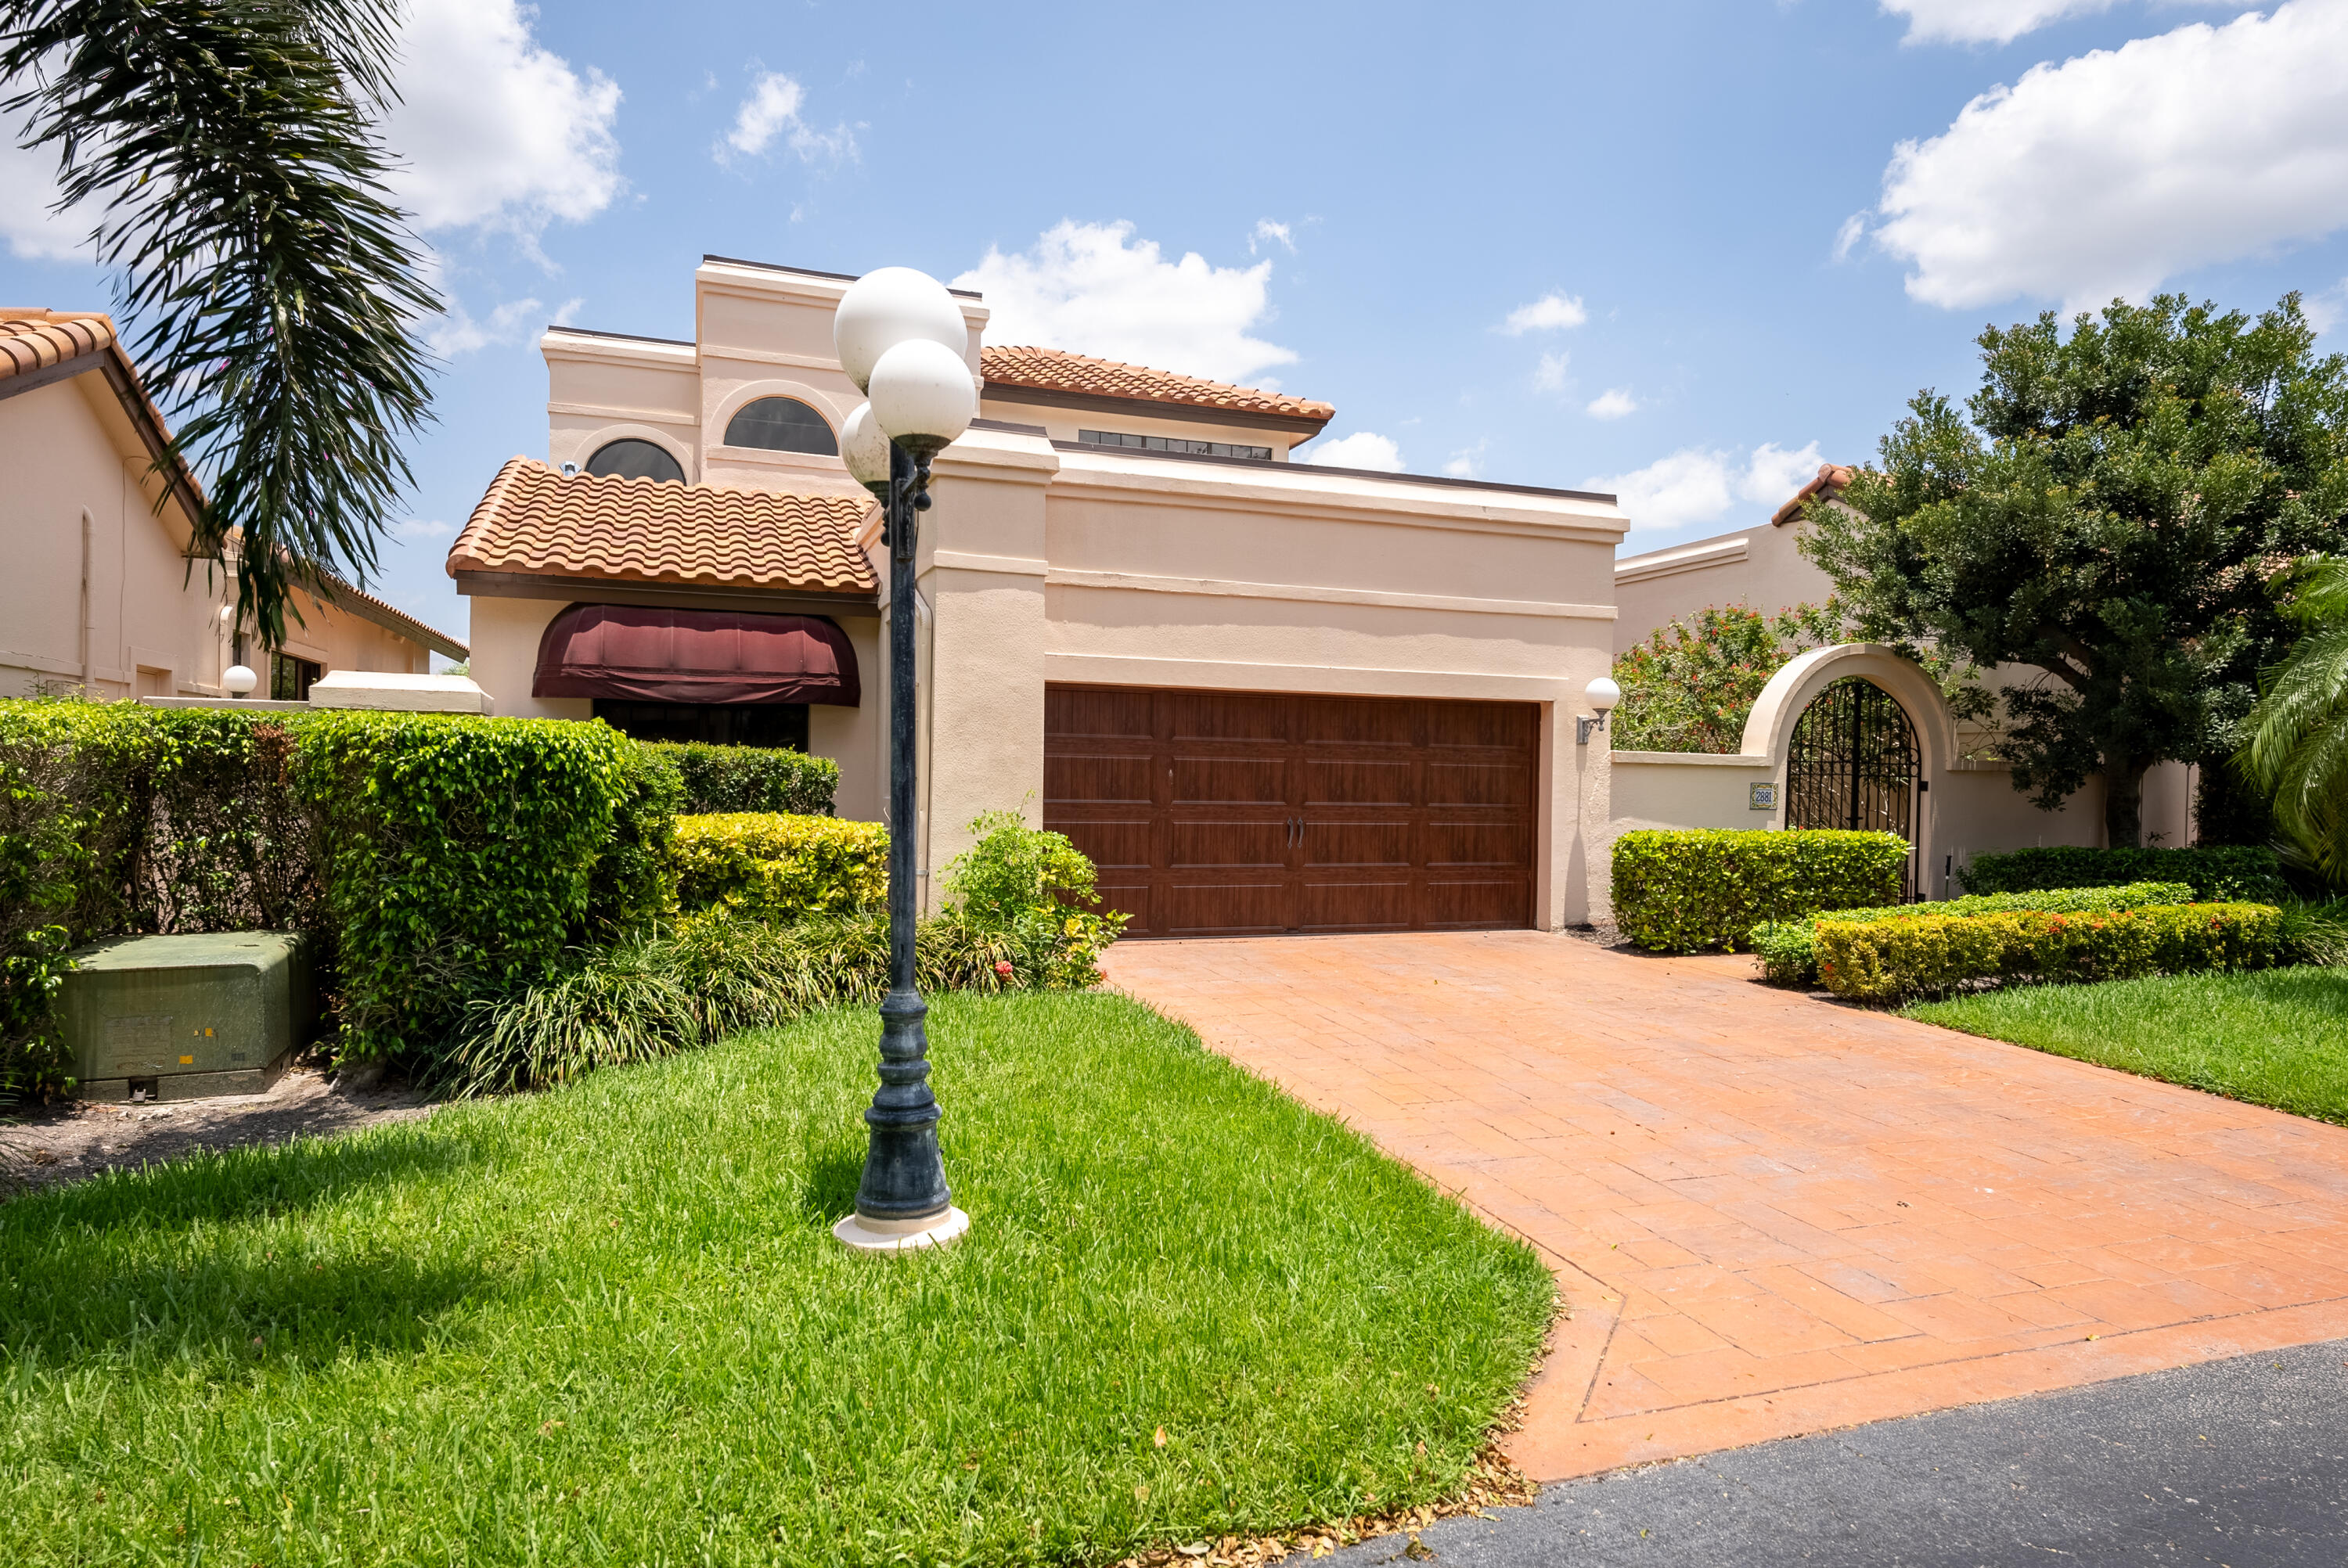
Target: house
point(103, 595)
point(1262, 695)
point(1762, 569)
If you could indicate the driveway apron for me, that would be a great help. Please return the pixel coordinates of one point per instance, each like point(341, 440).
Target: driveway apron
point(1771, 1215)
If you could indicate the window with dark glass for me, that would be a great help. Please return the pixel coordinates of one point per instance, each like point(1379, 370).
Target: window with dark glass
point(634, 459)
point(290, 677)
point(1172, 443)
point(777, 724)
point(781, 425)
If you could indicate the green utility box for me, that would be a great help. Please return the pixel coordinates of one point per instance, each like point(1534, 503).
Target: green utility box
point(180, 1018)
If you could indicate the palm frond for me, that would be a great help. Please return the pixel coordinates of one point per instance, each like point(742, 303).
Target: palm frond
point(227, 151)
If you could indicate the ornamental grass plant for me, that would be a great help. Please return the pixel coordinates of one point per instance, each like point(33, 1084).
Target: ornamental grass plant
point(608, 1324)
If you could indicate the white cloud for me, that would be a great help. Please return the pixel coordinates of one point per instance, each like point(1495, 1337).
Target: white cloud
point(1983, 21)
point(1549, 374)
point(2328, 309)
point(772, 110)
point(1092, 288)
point(1268, 234)
point(1468, 463)
point(1551, 312)
point(495, 131)
point(456, 331)
point(1612, 404)
point(1362, 449)
point(28, 184)
point(2112, 172)
point(417, 529)
point(1853, 229)
point(1696, 485)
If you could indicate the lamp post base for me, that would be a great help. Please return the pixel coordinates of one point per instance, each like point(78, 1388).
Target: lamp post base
point(859, 1234)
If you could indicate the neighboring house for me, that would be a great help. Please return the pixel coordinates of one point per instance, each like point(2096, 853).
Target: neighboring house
point(1262, 696)
point(1762, 569)
point(102, 595)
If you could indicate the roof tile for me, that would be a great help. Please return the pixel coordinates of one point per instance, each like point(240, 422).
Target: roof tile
point(1055, 370)
point(537, 520)
point(31, 339)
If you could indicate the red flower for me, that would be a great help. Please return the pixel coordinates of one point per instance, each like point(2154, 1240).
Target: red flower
point(1003, 967)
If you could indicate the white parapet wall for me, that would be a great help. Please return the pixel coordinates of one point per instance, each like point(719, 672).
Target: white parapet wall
point(399, 693)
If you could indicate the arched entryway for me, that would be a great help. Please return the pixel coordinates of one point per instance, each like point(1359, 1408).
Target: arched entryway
point(1854, 763)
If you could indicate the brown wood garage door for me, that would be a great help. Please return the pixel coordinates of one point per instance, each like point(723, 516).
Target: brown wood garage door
point(1247, 814)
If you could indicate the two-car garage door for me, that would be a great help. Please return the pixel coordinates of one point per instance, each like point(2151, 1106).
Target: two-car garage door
point(1231, 813)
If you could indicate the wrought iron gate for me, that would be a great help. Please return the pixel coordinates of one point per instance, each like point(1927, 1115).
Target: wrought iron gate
point(1854, 765)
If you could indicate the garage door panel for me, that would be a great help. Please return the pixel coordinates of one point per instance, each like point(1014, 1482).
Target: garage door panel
point(1225, 716)
point(1075, 712)
point(1260, 845)
point(1228, 814)
point(1112, 844)
point(1095, 779)
point(1494, 783)
point(1328, 845)
point(1462, 903)
point(1358, 780)
point(1227, 907)
point(1355, 906)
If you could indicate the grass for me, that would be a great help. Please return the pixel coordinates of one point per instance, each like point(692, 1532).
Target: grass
point(607, 1323)
point(2276, 1037)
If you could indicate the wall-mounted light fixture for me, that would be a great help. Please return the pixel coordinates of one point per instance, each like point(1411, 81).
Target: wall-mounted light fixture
point(1603, 695)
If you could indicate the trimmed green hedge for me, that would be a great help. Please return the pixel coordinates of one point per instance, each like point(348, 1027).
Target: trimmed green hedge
point(460, 856)
point(1682, 891)
point(1931, 954)
point(769, 867)
point(2213, 873)
point(1788, 950)
point(751, 778)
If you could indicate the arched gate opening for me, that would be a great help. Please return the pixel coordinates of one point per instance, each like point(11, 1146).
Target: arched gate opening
point(1854, 763)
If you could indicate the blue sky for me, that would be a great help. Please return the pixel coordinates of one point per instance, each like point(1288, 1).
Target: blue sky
point(1679, 249)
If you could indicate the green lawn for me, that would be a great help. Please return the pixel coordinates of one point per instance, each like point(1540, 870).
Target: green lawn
point(607, 1324)
point(2276, 1038)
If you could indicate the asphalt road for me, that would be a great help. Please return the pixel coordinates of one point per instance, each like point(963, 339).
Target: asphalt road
point(2241, 1464)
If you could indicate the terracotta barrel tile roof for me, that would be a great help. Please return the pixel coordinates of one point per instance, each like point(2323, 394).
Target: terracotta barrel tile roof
point(1832, 480)
point(1055, 370)
point(32, 340)
point(536, 520)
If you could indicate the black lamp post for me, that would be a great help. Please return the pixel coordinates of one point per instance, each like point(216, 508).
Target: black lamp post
point(900, 337)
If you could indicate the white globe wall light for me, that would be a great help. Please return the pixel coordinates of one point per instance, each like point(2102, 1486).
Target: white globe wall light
point(238, 681)
point(922, 396)
point(1603, 695)
point(891, 306)
point(864, 448)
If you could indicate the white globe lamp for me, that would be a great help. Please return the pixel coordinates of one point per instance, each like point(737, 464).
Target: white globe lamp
point(864, 448)
point(238, 681)
point(922, 396)
point(888, 307)
point(1603, 695)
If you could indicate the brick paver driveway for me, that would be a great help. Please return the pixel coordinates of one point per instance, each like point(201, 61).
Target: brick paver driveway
point(1771, 1215)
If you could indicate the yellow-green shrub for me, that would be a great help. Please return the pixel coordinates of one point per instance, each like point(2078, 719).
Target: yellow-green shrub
point(1912, 954)
point(766, 866)
point(1681, 890)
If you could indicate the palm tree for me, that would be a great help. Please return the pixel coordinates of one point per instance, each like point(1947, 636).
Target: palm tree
point(229, 150)
point(2298, 751)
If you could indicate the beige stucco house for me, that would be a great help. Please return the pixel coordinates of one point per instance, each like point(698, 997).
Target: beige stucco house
point(101, 594)
point(1263, 695)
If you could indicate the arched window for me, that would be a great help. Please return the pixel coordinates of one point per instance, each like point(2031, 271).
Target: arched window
point(781, 425)
point(634, 459)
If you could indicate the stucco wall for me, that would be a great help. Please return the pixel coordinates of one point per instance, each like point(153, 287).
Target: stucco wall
point(1759, 567)
point(155, 626)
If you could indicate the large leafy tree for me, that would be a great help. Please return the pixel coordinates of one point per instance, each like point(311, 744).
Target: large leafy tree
point(228, 150)
point(2104, 514)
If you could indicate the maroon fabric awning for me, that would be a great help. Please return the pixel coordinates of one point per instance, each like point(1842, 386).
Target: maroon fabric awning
point(647, 655)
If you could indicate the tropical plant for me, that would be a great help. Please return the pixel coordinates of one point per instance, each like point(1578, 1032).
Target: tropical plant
point(2298, 750)
point(2103, 511)
point(229, 150)
point(1038, 886)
